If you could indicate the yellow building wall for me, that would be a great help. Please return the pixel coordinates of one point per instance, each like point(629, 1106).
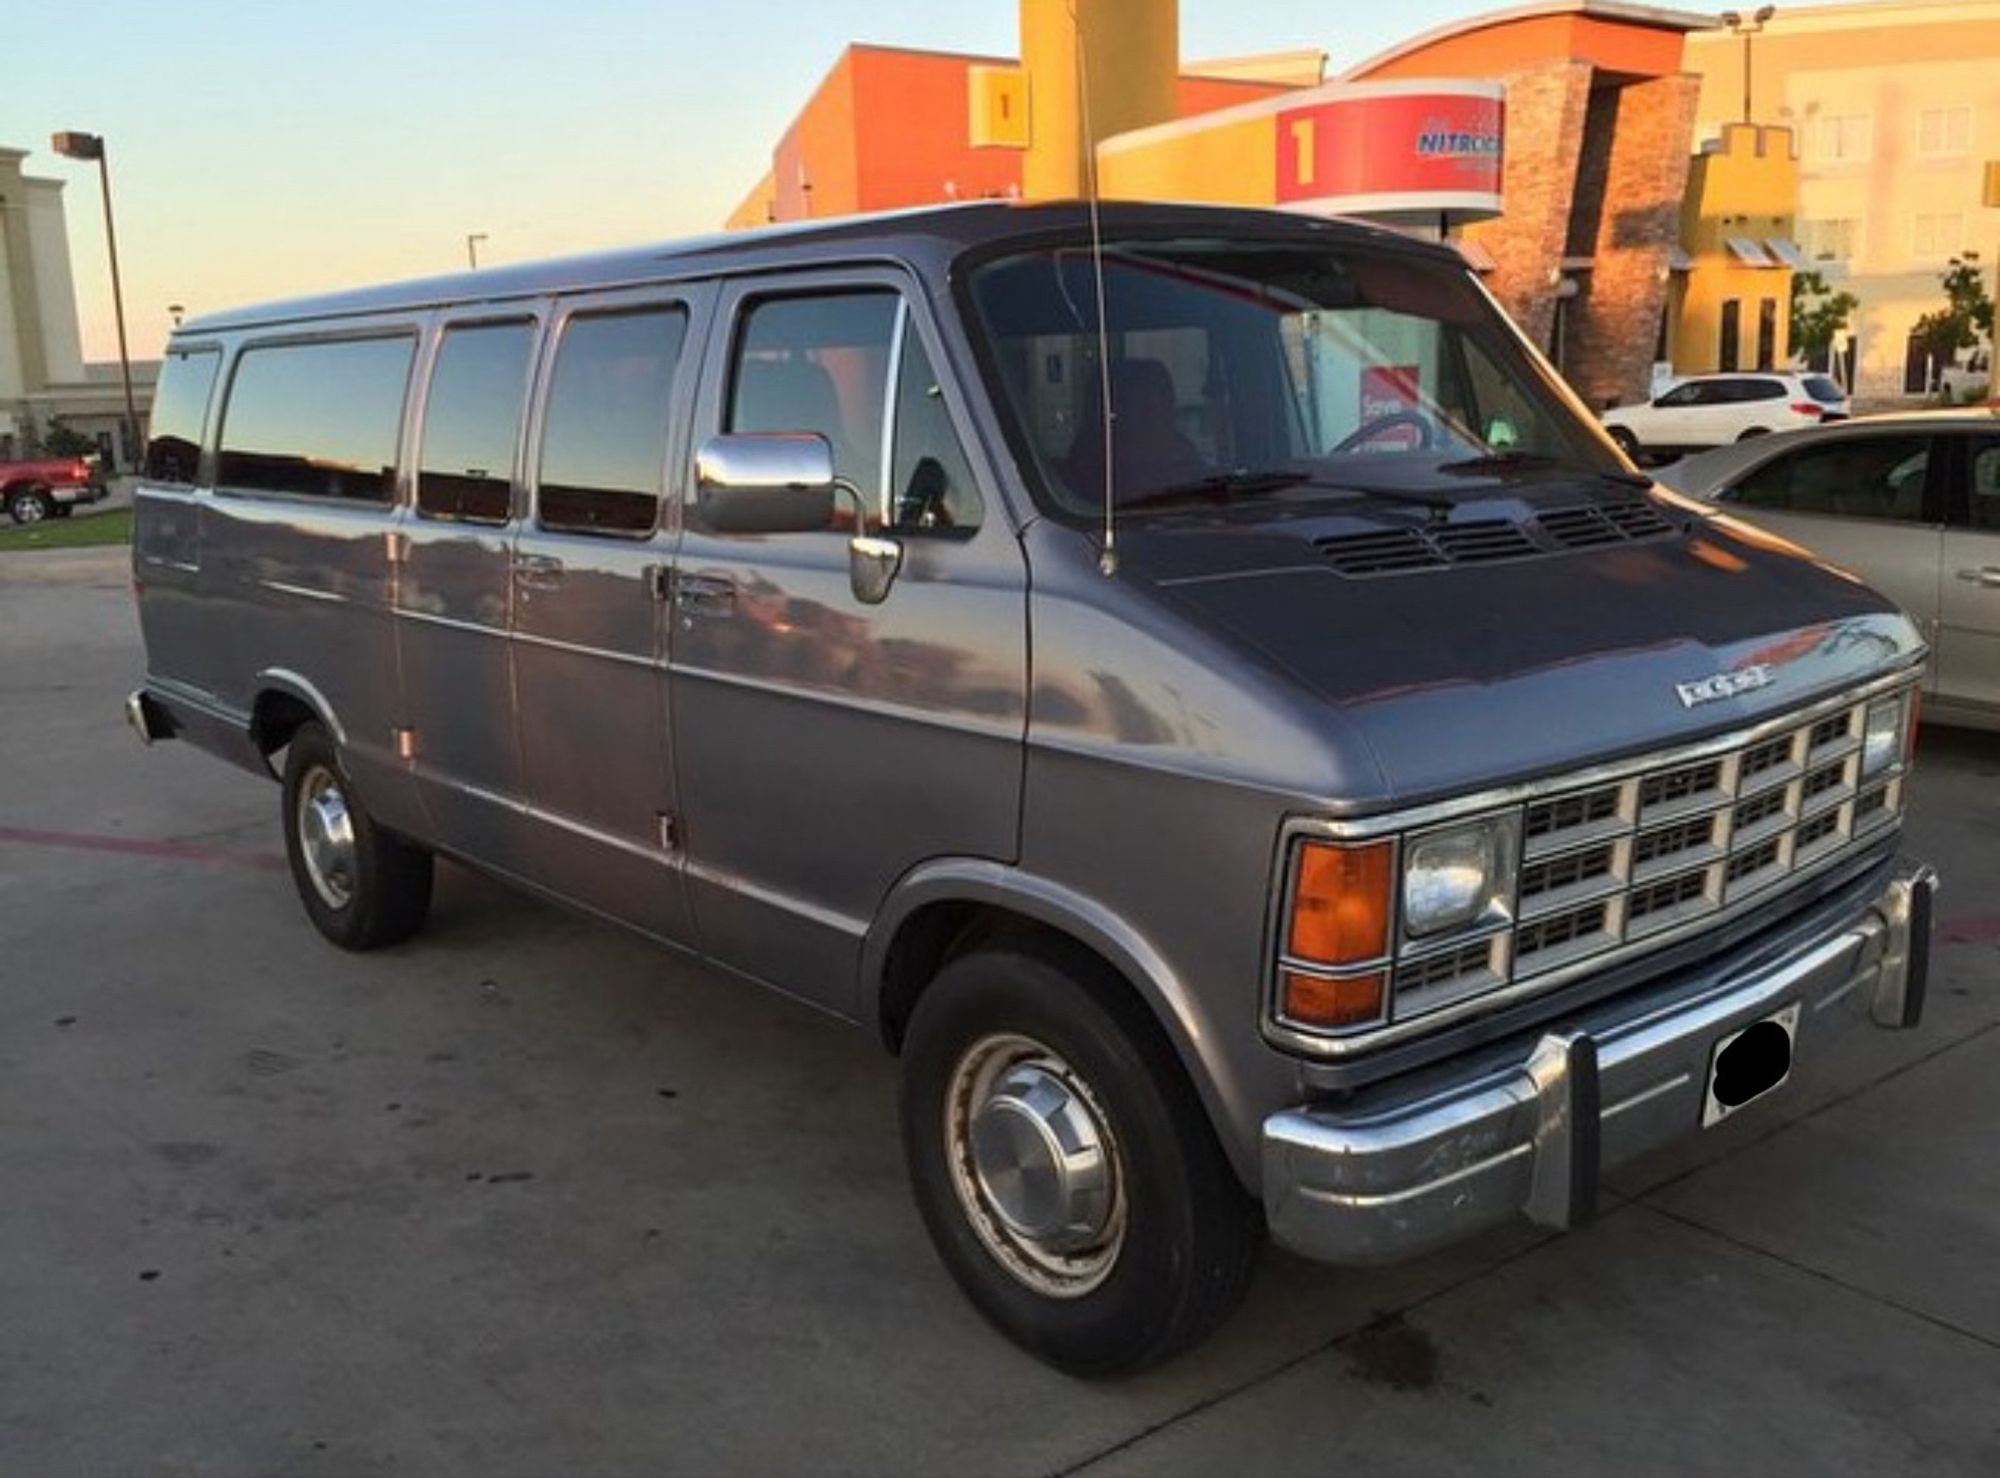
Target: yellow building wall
point(1128, 52)
point(1853, 82)
point(1743, 184)
point(1226, 164)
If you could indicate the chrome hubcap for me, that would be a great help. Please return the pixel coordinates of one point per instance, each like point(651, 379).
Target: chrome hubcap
point(326, 837)
point(1034, 1163)
point(29, 510)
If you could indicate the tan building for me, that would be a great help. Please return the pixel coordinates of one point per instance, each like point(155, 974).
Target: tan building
point(1895, 108)
point(43, 377)
point(1731, 298)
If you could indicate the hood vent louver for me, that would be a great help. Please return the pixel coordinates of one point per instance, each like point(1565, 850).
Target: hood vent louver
point(1399, 551)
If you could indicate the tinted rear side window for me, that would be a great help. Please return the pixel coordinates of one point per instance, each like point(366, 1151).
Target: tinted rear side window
point(604, 440)
point(180, 415)
point(1879, 477)
point(1822, 389)
point(472, 419)
point(317, 420)
point(1758, 390)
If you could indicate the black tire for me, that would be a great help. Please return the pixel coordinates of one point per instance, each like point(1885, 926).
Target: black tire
point(30, 505)
point(372, 891)
point(1627, 442)
point(1188, 1235)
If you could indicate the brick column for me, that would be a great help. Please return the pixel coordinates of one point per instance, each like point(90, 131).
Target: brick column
point(1615, 320)
point(1545, 115)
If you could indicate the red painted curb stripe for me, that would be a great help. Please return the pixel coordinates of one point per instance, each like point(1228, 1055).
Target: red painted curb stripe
point(143, 847)
point(1970, 929)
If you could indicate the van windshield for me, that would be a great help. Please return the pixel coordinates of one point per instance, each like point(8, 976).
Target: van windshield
point(1245, 369)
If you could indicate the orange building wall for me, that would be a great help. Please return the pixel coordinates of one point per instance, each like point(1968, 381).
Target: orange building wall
point(888, 129)
point(1512, 46)
point(911, 112)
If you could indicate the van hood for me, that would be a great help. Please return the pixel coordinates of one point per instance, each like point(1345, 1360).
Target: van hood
point(1517, 633)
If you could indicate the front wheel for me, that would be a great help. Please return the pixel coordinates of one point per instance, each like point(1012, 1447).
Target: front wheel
point(362, 887)
point(1627, 442)
point(30, 505)
point(1063, 1166)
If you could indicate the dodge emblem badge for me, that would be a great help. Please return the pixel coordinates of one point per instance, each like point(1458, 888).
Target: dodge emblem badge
point(1724, 685)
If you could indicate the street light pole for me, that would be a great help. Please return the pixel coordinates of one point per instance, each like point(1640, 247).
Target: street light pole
point(1746, 28)
point(91, 146)
point(472, 241)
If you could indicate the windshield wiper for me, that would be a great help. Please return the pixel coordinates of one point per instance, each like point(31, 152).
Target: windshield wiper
point(1500, 461)
point(1518, 461)
point(1217, 487)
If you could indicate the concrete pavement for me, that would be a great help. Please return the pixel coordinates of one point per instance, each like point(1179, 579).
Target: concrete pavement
point(530, 1196)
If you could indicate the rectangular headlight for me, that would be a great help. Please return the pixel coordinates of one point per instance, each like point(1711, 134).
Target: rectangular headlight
point(1460, 877)
point(1883, 739)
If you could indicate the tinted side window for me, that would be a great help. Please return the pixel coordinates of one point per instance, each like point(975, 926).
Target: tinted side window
point(604, 440)
point(1983, 461)
point(472, 418)
point(1683, 395)
point(1855, 477)
point(931, 487)
point(1760, 389)
point(317, 420)
point(819, 364)
point(180, 415)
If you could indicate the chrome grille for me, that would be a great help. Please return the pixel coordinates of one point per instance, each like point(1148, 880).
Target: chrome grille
point(1608, 866)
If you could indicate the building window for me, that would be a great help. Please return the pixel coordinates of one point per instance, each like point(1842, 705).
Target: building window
point(1834, 239)
point(1935, 236)
point(1944, 133)
point(1767, 333)
point(1846, 138)
point(1732, 313)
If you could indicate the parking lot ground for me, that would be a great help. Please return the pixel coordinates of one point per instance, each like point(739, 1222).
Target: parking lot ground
point(528, 1195)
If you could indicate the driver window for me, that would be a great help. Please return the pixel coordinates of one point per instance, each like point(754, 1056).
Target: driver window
point(930, 484)
point(1874, 477)
point(819, 364)
point(1679, 397)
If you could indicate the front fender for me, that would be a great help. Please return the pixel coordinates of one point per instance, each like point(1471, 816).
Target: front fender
point(1230, 1101)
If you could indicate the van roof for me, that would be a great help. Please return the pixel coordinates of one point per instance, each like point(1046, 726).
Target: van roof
point(929, 237)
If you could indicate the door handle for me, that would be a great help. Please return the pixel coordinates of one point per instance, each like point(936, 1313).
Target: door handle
point(704, 594)
point(1988, 575)
point(538, 571)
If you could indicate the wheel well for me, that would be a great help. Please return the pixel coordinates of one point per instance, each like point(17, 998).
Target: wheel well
point(276, 718)
point(939, 932)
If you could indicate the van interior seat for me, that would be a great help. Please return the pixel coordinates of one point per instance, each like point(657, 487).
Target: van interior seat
point(1148, 448)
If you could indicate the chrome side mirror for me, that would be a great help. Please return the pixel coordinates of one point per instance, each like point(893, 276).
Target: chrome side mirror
point(764, 483)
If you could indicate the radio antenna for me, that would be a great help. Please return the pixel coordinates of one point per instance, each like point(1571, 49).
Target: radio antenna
point(1107, 560)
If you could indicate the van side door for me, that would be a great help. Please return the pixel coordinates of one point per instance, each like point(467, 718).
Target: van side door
point(590, 576)
point(454, 583)
point(825, 746)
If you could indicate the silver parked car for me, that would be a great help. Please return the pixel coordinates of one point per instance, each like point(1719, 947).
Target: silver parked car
point(1911, 504)
point(1207, 697)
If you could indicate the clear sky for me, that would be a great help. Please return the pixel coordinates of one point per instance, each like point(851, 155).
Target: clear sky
point(264, 148)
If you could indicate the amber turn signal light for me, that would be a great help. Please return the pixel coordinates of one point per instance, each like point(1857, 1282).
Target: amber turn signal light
point(1340, 903)
point(1312, 1000)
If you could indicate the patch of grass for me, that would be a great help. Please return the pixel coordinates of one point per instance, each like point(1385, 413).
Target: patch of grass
point(114, 527)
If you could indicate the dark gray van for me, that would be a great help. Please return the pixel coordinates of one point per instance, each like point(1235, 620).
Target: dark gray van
point(1212, 701)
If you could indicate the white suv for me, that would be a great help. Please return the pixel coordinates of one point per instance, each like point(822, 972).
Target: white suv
point(1703, 411)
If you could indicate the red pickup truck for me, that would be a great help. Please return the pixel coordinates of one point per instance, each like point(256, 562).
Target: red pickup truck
point(33, 491)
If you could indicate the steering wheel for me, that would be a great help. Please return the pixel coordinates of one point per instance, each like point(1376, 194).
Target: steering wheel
point(1427, 431)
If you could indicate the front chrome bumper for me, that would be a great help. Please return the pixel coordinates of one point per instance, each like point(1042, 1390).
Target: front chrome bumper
point(1533, 1130)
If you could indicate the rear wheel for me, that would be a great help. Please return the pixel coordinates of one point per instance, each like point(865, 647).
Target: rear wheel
point(30, 505)
point(1063, 1166)
point(362, 887)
